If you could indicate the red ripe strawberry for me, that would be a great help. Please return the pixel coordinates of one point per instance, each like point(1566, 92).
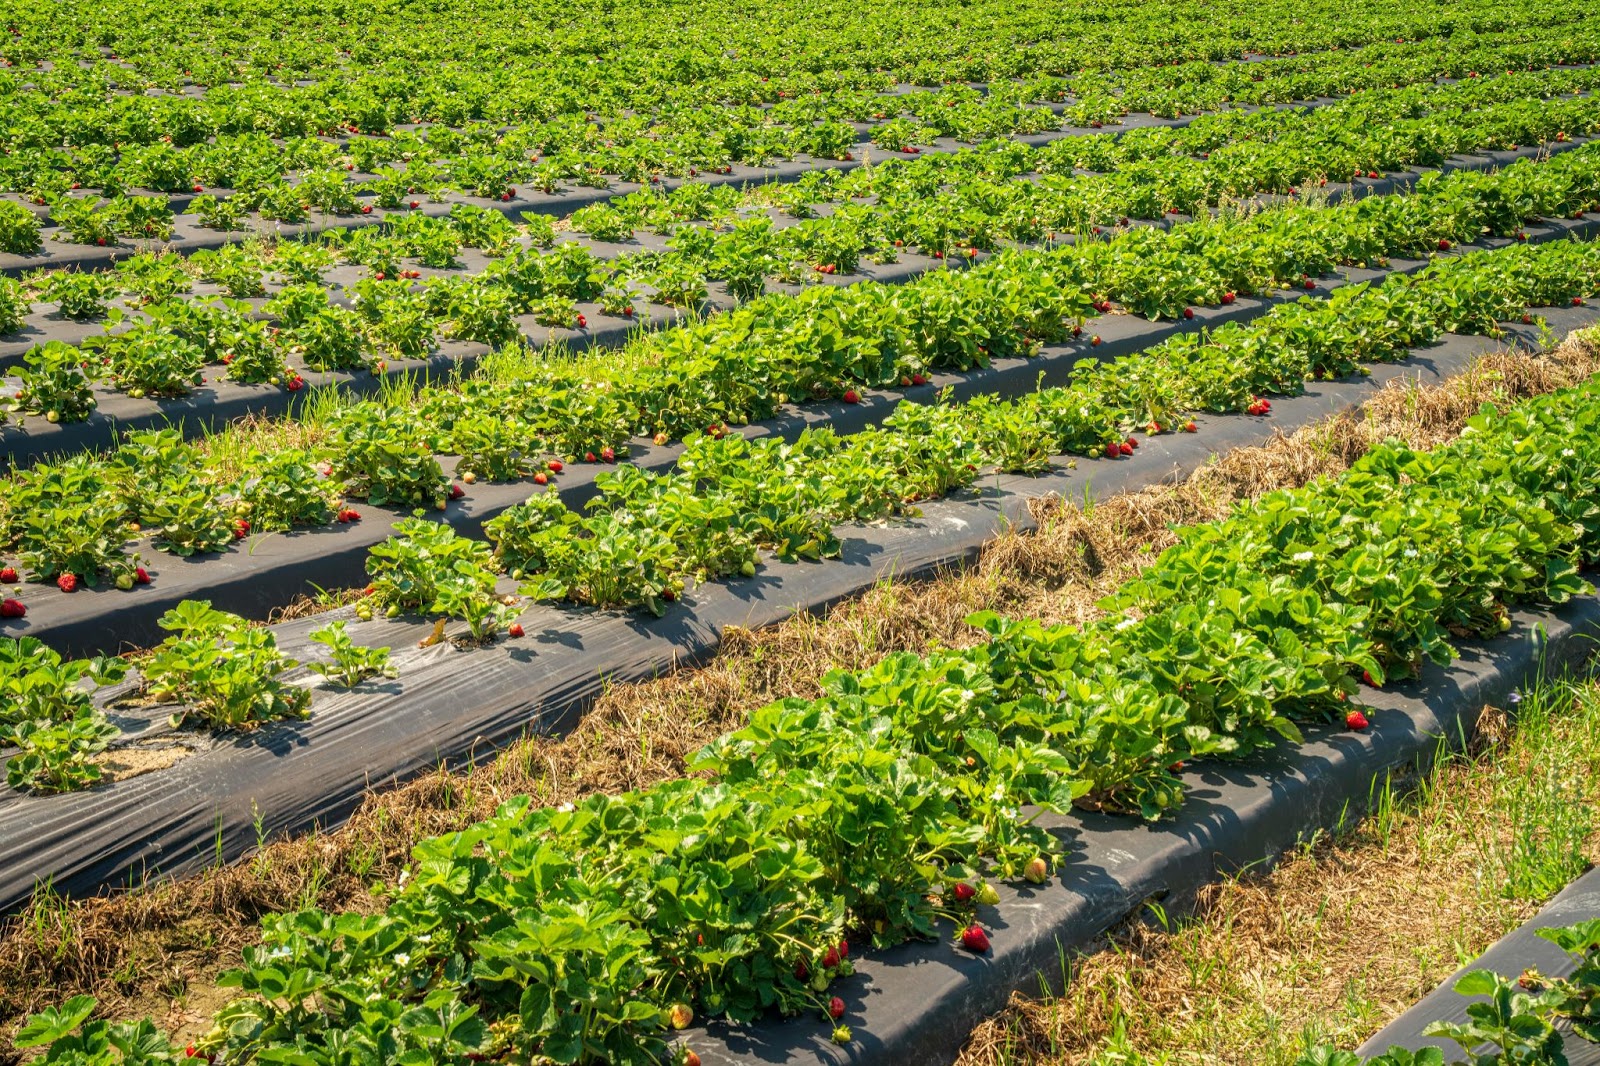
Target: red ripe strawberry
point(378, 275)
point(852, 396)
point(515, 630)
point(505, 196)
point(1228, 297)
point(830, 959)
point(1577, 301)
point(964, 891)
point(801, 970)
point(1355, 720)
point(1112, 451)
point(1133, 442)
point(583, 323)
point(295, 383)
point(588, 457)
point(555, 466)
point(1188, 312)
point(1372, 174)
point(974, 939)
point(1125, 448)
point(415, 204)
point(1309, 284)
point(836, 1008)
point(1444, 245)
point(1094, 342)
point(456, 492)
point(67, 582)
point(1527, 319)
point(669, 595)
point(8, 576)
point(541, 478)
point(12, 609)
point(608, 454)
point(844, 949)
point(1190, 427)
point(1366, 679)
point(141, 576)
point(919, 379)
point(199, 188)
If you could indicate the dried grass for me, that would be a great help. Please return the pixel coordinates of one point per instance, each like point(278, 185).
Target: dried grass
point(1330, 945)
point(144, 951)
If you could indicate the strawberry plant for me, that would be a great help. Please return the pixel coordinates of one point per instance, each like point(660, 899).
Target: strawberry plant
point(79, 295)
point(219, 213)
point(223, 671)
point(68, 518)
point(428, 567)
point(285, 489)
point(14, 305)
point(54, 384)
point(49, 715)
point(382, 455)
point(19, 229)
point(147, 360)
point(349, 663)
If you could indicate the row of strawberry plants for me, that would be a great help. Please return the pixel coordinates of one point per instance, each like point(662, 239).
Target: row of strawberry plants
point(164, 352)
point(71, 517)
point(937, 205)
point(331, 189)
point(165, 355)
point(874, 812)
point(730, 498)
point(970, 198)
point(650, 59)
point(491, 161)
point(75, 118)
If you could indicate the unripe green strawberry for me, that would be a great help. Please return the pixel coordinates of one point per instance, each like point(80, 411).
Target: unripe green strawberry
point(987, 895)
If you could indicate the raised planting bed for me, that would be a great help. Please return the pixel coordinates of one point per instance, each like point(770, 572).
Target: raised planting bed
point(919, 1002)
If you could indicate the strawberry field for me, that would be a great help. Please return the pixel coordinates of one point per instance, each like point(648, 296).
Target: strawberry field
point(380, 385)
